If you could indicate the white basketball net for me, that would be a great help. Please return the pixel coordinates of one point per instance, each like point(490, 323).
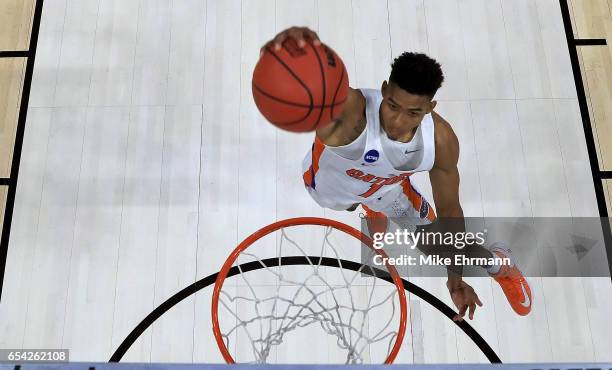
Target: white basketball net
point(260, 308)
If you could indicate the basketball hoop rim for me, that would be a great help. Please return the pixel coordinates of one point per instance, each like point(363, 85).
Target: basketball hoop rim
point(297, 222)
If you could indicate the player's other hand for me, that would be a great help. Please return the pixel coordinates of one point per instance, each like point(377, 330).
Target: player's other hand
point(465, 298)
point(299, 34)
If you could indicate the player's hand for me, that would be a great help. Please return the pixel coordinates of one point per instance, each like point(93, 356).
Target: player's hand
point(465, 298)
point(299, 34)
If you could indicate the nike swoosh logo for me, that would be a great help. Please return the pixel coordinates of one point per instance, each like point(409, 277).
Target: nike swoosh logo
point(412, 151)
point(527, 302)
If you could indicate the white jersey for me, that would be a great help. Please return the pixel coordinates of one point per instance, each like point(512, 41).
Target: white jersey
point(338, 182)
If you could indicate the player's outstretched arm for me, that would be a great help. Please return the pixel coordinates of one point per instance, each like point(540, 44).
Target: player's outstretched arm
point(342, 128)
point(444, 178)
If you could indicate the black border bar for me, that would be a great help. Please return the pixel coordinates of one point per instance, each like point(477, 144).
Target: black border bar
point(590, 42)
point(23, 113)
point(5, 181)
point(14, 53)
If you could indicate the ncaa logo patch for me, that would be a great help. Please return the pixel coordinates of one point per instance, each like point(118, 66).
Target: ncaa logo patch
point(371, 156)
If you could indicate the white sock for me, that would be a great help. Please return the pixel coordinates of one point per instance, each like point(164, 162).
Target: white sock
point(493, 269)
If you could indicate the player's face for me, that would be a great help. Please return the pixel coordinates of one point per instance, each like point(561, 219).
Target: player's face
point(401, 112)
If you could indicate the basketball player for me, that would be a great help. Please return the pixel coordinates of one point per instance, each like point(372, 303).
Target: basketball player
point(367, 154)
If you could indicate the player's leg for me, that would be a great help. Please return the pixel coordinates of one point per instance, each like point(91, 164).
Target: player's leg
point(377, 222)
point(404, 204)
point(511, 279)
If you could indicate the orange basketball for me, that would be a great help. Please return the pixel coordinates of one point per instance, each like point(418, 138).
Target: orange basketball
point(300, 89)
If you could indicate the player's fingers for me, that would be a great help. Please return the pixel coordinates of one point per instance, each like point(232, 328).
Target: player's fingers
point(298, 34)
point(313, 36)
point(278, 40)
point(478, 302)
point(263, 48)
point(471, 313)
point(462, 310)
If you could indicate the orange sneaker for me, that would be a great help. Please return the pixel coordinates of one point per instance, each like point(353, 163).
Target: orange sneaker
point(512, 282)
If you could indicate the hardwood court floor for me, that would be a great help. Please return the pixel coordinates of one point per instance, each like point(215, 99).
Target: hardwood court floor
point(145, 162)
point(593, 19)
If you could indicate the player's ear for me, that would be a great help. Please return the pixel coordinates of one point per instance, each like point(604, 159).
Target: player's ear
point(432, 105)
point(384, 87)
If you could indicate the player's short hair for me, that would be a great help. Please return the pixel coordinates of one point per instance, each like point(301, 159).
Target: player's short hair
point(417, 74)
